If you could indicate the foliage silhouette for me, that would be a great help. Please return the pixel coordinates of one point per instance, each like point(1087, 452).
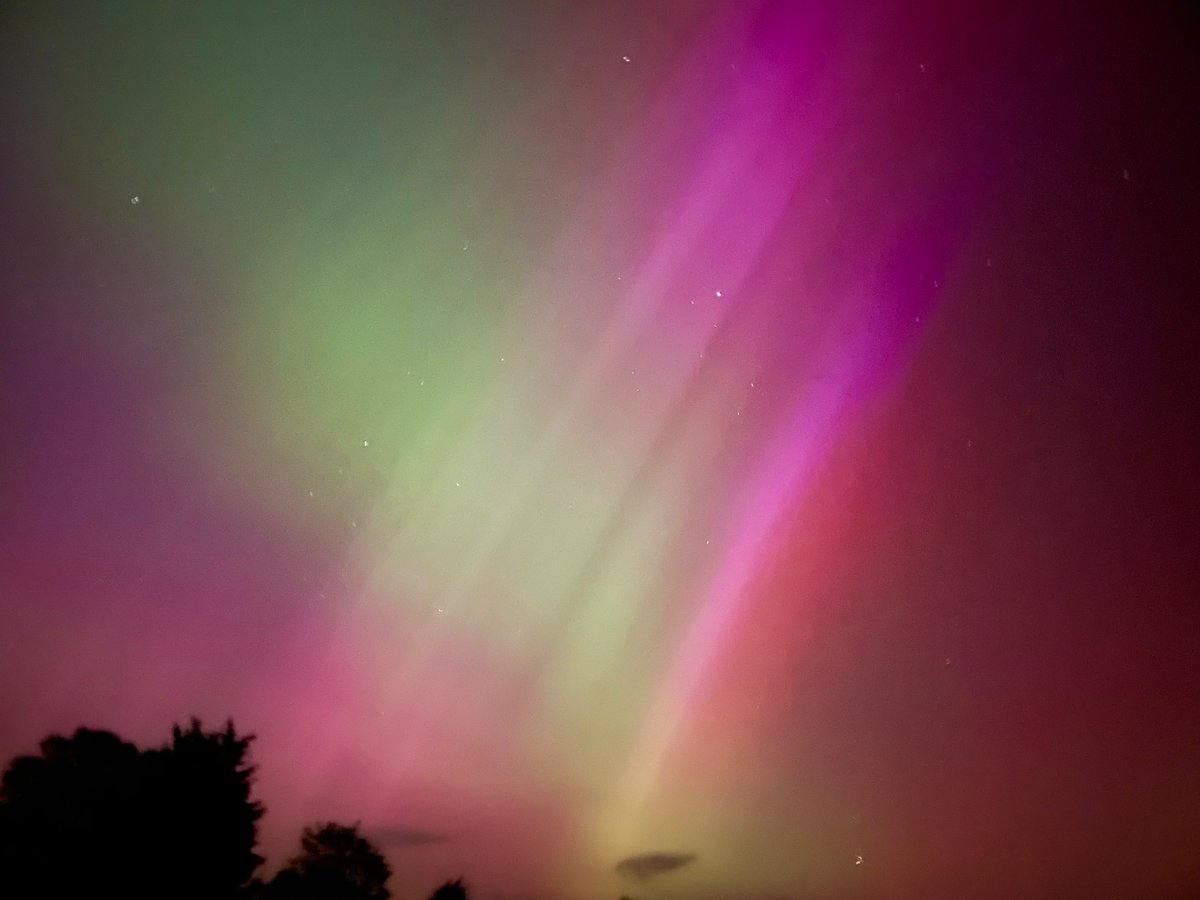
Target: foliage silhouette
point(201, 785)
point(93, 815)
point(451, 890)
point(335, 863)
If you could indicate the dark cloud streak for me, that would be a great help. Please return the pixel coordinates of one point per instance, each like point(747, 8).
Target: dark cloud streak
point(647, 865)
point(400, 836)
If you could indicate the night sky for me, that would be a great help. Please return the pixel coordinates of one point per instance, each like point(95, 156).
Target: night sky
point(763, 432)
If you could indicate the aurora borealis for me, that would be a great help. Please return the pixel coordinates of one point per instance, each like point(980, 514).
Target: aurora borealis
point(562, 432)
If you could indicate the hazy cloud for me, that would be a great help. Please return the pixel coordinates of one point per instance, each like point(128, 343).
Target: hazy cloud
point(646, 865)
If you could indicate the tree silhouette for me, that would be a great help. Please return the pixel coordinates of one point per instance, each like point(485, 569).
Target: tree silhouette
point(66, 817)
point(451, 890)
point(335, 863)
point(207, 823)
point(92, 815)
